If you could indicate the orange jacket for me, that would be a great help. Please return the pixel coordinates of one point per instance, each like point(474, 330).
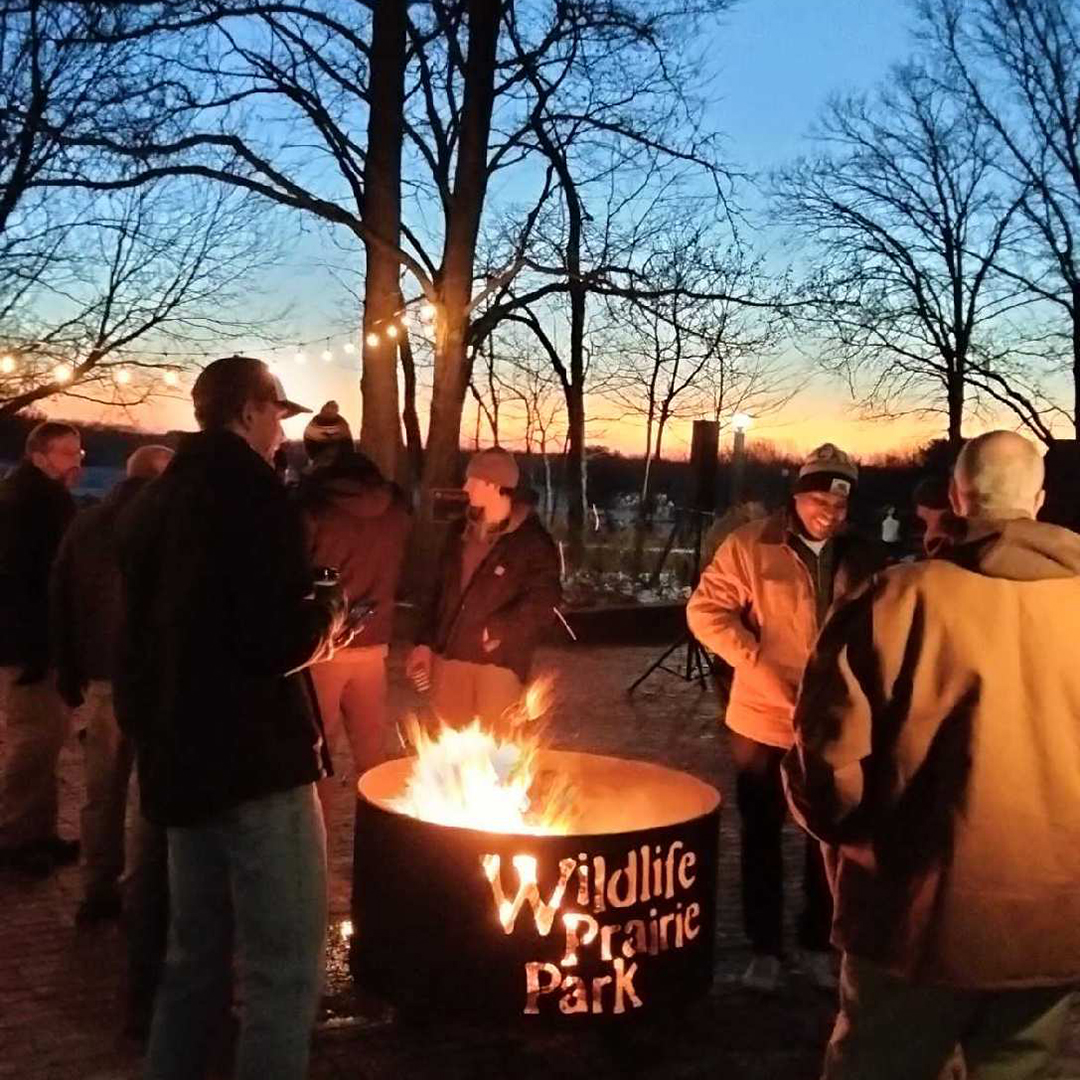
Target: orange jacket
point(755, 606)
point(938, 754)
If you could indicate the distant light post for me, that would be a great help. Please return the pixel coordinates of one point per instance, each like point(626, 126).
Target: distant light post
point(740, 423)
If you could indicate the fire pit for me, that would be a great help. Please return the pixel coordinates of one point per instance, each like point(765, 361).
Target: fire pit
point(609, 912)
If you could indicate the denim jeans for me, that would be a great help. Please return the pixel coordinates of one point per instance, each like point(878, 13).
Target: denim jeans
point(256, 875)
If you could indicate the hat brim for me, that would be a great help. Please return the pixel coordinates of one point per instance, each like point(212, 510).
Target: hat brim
point(291, 408)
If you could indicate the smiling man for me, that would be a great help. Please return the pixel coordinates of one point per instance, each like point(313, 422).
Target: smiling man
point(759, 605)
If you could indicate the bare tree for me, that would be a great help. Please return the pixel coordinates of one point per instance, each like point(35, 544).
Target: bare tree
point(905, 213)
point(1016, 64)
point(100, 295)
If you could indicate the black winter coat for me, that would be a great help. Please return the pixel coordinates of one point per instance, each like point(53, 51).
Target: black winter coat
point(512, 594)
point(34, 512)
point(215, 614)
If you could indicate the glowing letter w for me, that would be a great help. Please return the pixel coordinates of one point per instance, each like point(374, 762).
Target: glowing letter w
point(525, 865)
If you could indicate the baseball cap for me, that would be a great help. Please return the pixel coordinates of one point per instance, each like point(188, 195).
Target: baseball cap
point(232, 380)
point(496, 466)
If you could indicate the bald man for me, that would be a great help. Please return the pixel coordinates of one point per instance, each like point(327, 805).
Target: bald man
point(85, 607)
point(937, 758)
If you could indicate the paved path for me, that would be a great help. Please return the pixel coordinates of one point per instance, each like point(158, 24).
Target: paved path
point(60, 991)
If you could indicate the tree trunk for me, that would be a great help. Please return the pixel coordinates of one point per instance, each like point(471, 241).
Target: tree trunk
point(380, 430)
point(576, 483)
point(1076, 358)
point(955, 392)
point(459, 253)
point(414, 443)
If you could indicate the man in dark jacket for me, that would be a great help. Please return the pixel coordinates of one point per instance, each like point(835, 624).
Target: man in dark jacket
point(497, 590)
point(357, 523)
point(937, 755)
point(219, 625)
point(85, 604)
point(35, 508)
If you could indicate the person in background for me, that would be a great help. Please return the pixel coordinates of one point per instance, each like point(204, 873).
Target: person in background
point(86, 602)
point(936, 756)
point(759, 605)
point(219, 625)
point(357, 523)
point(496, 592)
point(890, 527)
point(36, 506)
point(937, 521)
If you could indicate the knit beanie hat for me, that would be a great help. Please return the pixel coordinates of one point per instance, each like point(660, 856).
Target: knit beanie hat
point(327, 426)
point(496, 466)
point(827, 468)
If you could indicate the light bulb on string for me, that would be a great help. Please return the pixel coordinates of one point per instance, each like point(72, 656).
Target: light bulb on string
point(392, 331)
point(123, 377)
point(372, 339)
point(63, 373)
point(327, 355)
point(171, 378)
point(7, 364)
point(427, 312)
point(300, 358)
point(349, 347)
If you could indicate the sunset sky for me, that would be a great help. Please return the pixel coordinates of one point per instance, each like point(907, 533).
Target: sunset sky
point(780, 60)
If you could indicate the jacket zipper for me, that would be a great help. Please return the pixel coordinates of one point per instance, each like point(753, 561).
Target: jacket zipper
point(461, 600)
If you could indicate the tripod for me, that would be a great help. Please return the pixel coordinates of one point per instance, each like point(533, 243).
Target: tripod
point(698, 663)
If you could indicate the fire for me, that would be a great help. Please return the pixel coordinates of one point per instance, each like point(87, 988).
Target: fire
point(485, 778)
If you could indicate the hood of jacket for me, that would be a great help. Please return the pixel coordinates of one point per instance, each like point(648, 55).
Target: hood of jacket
point(1018, 550)
point(352, 484)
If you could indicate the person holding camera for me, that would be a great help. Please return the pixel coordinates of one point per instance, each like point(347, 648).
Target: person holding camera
point(220, 624)
point(496, 592)
point(357, 523)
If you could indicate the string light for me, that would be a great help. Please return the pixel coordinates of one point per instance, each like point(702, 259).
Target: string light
point(171, 378)
point(301, 358)
point(427, 312)
point(327, 355)
point(63, 373)
point(372, 339)
point(7, 364)
point(349, 348)
point(123, 376)
point(391, 331)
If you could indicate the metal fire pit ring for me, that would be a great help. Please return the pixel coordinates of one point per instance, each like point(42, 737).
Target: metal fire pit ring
point(621, 921)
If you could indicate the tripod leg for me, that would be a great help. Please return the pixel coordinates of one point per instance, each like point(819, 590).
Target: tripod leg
point(657, 663)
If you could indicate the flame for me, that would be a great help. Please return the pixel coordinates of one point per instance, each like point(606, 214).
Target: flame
point(487, 777)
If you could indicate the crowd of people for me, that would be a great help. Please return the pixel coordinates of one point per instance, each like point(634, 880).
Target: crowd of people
point(213, 628)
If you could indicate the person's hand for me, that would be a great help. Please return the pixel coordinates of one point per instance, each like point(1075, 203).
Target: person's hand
point(418, 667)
point(488, 643)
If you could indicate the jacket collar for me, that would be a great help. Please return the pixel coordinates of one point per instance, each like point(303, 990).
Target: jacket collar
point(220, 444)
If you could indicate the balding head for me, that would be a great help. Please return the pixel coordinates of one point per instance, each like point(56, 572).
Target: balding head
point(998, 475)
point(148, 462)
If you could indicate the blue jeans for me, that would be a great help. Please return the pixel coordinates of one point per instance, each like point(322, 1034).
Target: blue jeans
point(256, 874)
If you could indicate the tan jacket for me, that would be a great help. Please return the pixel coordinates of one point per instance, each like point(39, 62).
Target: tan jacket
point(755, 607)
point(938, 751)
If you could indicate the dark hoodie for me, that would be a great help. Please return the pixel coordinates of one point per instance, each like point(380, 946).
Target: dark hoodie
point(359, 524)
point(938, 753)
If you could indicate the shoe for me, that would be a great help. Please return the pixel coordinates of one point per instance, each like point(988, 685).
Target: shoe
point(820, 969)
point(98, 909)
point(764, 974)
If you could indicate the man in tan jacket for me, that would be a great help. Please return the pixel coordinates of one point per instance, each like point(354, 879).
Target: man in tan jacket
point(938, 756)
point(759, 605)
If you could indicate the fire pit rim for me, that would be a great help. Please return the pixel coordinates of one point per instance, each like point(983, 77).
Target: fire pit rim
point(712, 799)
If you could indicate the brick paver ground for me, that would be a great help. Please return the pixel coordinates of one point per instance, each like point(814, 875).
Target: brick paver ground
point(60, 991)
